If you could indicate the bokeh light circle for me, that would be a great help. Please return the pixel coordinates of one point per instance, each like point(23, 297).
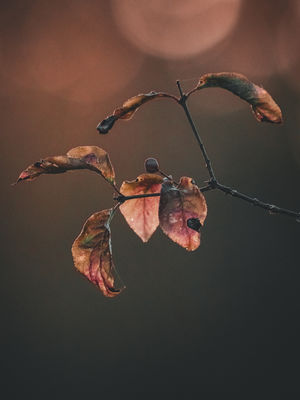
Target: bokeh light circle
point(288, 48)
point(173, 29)
point(70, 50)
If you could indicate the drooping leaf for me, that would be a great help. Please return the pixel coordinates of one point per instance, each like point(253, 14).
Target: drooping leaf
point(262, 104)
point(128, 109)
point(179, 205)
point(142, 214)
point(92, 253)
point(82, 157)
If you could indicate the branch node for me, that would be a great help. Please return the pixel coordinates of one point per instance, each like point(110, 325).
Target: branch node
point(182, 99)
point(213, 183)
point(120, 199)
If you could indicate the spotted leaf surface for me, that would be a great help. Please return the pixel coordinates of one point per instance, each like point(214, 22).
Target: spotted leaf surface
point(83, 157)
point(92, 253)
point(128, 109)
point(142, 214)
point(178, 206)
point(263, 105)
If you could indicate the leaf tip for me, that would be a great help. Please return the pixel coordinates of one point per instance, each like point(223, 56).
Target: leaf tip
point(105, 126)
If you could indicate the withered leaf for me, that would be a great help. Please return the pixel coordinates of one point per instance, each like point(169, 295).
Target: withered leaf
point(82, 157)
point(92, 253)
point(178, 206)
point(128, 109)
point(262, 104)
point(142, 214)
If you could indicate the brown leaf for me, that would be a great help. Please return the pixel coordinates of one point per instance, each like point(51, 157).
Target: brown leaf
point(262, 104)
point(128, 109)
point(81, 157)
point(92, 253)
point(142, 214)
point(179, 205)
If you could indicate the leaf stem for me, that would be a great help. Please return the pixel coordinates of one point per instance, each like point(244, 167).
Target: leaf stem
point(115, 188)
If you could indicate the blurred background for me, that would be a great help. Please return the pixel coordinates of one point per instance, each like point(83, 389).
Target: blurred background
point(221, 320)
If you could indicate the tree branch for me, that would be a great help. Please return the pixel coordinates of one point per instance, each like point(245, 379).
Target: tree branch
point(209, 167)
point(273, 209)
point(121, 199)
point(213, 182)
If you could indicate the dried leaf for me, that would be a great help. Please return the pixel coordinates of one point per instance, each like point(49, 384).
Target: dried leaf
point(82, 157)
point(128, 109)
point(179, 205)
point(262, 104)
point(142, 214)
point(92, 253)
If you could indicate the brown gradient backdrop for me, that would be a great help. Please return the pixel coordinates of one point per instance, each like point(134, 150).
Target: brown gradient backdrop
point(219, 321)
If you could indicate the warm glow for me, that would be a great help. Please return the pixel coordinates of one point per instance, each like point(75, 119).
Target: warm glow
point(175, 29)
point(71, 50)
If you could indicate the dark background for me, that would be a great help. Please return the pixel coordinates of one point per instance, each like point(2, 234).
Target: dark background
point(220, 321)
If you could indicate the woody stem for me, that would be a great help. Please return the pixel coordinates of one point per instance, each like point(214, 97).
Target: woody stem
point(121, 199)
point(182, 102)
point(213, 182)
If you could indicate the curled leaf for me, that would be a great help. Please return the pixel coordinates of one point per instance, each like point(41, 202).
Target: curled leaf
point(262, 104)
point(128, 109)
point(142, 214)
point(92, 253)
point(179, 207)
point(82, 157)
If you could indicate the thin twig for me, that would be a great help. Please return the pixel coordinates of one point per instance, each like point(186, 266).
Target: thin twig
point(191, 92)
point(273, 209)
point(115, 187)
point(213, 182)
point(121, 199)
point(168, 95)
point(182, 102)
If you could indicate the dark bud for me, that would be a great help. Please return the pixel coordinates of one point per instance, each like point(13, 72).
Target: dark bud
point(151, 165)
point(194, 224)
point(106, 125)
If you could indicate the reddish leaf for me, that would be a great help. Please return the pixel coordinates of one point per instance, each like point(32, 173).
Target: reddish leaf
point(82, 157)
point(179, 208)
point(128, 109)
point(142, 214)
point(92, 253)
point(262, 104)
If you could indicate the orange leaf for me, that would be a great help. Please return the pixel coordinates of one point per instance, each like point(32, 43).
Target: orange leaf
point(128, 109)
point(92, 253)
point(82, 157)
point(180, 206)
point(262, 104)
point(142, 214)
